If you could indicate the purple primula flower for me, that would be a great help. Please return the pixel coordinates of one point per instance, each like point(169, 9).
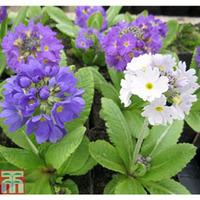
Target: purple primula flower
point(42, 102)
point(32, 41)
point(198, 56)
point(87, 37)
point(66, 111)
point(3, 13)
point(83, 13)
point(44, 129)
point(14, 118)
point(127, 40)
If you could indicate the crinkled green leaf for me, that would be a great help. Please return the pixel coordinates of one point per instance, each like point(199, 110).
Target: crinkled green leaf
point(162, 137)
point(21, 158)
point(21, 16)
point(57, 154)
point(111, 13)
point(129, 186)
point(107, 156)
point(95, 21)
point(118, 130)
point(169, 162)
point(168, 186)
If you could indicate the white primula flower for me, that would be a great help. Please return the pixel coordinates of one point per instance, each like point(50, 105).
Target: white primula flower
point(185, 80)
point(125, 93)
point(149, 85)
point(140, 63)
point(158, 113)
point(165, 63)
point(182, 104)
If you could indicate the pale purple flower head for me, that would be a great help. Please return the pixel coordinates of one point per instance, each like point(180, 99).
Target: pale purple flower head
point(83, 13)
point(86, 38)
point(127, 40)
point(42, 102)
point(198, 56)
point(33, 41)
point(3, 13)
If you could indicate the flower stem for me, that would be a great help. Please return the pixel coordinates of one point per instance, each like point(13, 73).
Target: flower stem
point(140, 140)
point(33, 147)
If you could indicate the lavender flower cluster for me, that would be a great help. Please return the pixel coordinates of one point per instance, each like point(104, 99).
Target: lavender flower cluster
point(198, 56)
point(42, 96)
point(87, 37)
point(3, 13)
point(32, 41)
point(127, 40)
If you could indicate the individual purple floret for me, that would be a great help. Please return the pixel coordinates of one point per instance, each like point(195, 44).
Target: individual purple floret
point(86, 38)
point(41, 101)
point(3, 13)
point(32, 41)
point(127, 40)
point(83, 13)
point(198, 56)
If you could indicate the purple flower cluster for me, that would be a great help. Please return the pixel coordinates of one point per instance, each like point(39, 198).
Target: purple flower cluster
point(32, 41)
point(86, 38)
point(83, 13)
point(198, 56)
point(3, 13)
point(127, 40)
point(43, 98)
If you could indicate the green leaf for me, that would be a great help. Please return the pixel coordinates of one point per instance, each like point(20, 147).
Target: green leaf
point(78, 159)
point(106, 155)
point(21, 16)
point(68, 29)
point(71, 185)
point(88, 165)
point(116, 77)
point(117, 130)
point(169, 162)
point(3, 62)
point(162, 137)
point(63, 59)
point(3, 28)
point(168, 186)
point(111, 185)
point(193, 118)
point(95, 21)
point(173, 28)
point(21, 158)
point(58, 15)
point(85, 82)
point(4, 165)
point(57, 154)
point(111, 13)
point(19, 137)
point(104, 87)
point(34, 12)
point(129, 186)
point(40, 186)
point(135, 121)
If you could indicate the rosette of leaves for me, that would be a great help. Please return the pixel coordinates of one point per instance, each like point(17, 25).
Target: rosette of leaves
point(159, 159)
point(45, 165)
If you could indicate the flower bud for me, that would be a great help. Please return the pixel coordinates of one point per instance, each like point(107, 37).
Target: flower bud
point(44, 93)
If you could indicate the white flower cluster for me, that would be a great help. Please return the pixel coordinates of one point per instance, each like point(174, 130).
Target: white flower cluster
point(165, 84)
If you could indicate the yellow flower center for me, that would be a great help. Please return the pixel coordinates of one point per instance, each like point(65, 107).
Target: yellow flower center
point(177, 100)
point(17, 42)
point(84, 12)
point(59, 109)
point(32, 101)
point(28, 33)
point(149, 86)
point(159, 108)
point(126, 44)
point(82, 44)
point(45, 61)
point(162, 69)
point(42, 119)
point(46, 48)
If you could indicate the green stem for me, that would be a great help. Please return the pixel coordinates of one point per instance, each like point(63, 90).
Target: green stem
point(33, 147)
point(140, 141)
